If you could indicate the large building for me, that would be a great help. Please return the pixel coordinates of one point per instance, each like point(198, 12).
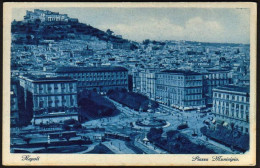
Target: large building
point(231, 105)
point(100, 79)
point(14, 102)
point(47, 16)
point(213, 78)
point(50, 99)
point(144, 82)
point(180, 89)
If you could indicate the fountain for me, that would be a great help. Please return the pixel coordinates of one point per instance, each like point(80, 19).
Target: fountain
point(151, 120)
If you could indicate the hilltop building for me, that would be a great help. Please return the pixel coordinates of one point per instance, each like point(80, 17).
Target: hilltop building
point(47, 16)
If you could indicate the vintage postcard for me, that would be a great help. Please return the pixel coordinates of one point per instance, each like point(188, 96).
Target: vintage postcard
point(129, 84)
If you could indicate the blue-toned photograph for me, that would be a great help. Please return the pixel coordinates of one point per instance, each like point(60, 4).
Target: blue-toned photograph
point(130, 80)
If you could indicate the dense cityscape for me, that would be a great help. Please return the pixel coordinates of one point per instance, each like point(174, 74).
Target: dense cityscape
point(77, 89)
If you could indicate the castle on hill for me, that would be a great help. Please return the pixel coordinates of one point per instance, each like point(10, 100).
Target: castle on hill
point(47, 16)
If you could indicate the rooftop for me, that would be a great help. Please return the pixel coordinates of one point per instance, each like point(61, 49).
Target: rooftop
point(234, 88)
point(181, 72)
point(44, 78)
point(14, 80)
point(90, 69)
point(217, 70)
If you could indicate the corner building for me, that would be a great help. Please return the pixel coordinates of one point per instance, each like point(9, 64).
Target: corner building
point(180, 89)
point(50, 99)
point(231, 105)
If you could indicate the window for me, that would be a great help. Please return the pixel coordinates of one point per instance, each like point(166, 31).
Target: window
point(227, 111)
point(50, 103)
point(56, 102)
point(242, 114)
point(62, 86)
point(40, 87)
point(63, 100)
point(55, 86)
point(41, 104)
point(71, 86)
point(242, 107)
point(71, 101)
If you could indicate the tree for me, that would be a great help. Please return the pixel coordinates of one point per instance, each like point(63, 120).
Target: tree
point(70, 121)
point(67, 137)
point(46, 145)
point(80, 142)
point(66, 127)
point(147, 41)
point(109, 32)
point(155, 134)
point(27, 140)
point(77, 126)
point(110, 91)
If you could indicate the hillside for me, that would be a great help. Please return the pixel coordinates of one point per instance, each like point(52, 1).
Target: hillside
point(35, 31)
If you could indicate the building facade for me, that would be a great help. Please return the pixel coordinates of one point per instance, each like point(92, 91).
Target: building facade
point(50, 99)
point(231, 105)
point(180, 89)
point(213, 78)
point(144, 82)
point(14, 102)
point(47, 16)
point(100, 79)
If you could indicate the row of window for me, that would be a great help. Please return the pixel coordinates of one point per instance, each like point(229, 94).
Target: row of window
point(217, 82)
point(232, 113)
point(232, 105)
point(49, 88)
point(105, 83)
point(216, 76)
point(231, 97)
point(96, 74)
point(55, 102)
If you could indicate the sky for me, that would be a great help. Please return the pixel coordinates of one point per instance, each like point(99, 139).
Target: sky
point(224, 25)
